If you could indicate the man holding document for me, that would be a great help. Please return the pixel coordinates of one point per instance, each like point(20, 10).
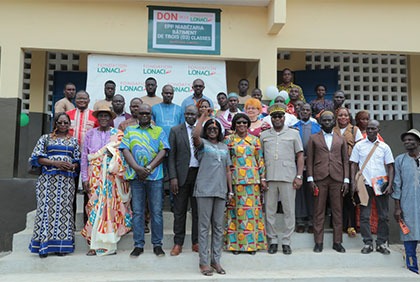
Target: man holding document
point(378, 173)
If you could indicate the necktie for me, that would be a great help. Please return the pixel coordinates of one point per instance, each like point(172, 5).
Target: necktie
point(229, 117)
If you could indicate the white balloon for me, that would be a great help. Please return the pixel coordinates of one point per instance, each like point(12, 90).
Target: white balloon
point(271, 92)
point(284, 94)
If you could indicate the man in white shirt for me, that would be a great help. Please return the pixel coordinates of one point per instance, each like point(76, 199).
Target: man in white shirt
point(380, 164)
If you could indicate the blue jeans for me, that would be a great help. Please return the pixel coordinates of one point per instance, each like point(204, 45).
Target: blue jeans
point(410, 255)
point(153, 190)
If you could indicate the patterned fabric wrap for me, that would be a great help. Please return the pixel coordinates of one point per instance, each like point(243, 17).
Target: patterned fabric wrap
point(108, 209)
point(245, 228)
point(54, 223)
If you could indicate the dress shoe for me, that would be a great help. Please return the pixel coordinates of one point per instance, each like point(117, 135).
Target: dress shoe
point(136, 252)
point(318, 247)
point(286, 249)
point(146, 229)
point(339, 248)
point(43, 255)
point(195, 248)
point(300, 229)
point(158, 251)
point(176, 250)
point(272, 249)
point(367, 249)
point(383, 249)
point(310, 229)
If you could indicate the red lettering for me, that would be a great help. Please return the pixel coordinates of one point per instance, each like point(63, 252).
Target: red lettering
point(167, 16)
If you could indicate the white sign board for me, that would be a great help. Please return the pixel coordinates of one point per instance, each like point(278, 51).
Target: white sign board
point(130, 73)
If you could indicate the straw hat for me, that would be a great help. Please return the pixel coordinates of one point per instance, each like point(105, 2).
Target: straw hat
point(104, 109)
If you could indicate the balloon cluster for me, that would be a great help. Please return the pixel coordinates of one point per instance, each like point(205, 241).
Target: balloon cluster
point(272, 93)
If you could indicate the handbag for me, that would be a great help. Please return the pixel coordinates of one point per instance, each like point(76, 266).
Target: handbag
point(37, 170)
point(360, 180)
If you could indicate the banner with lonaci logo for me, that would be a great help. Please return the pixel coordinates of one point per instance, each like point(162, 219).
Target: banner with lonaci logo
point(130, 73)
point(184, 30)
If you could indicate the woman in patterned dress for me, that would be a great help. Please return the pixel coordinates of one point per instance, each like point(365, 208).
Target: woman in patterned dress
point(58, 154)
point(108, 209)
point(245, 230)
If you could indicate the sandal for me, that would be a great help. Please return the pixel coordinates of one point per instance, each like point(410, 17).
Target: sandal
point(218, 268)
point(351, 232)
point(91, 253)
point(206, 271)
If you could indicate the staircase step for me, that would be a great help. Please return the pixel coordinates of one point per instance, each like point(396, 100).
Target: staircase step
point(302, 265)
point(298, 240)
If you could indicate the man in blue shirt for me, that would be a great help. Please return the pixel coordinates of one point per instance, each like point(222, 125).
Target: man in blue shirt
point(198, 87)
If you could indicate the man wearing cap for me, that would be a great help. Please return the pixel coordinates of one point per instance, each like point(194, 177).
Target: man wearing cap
point(227, 117)
point(282, 146)
point(327, 167)
point(407, 195)
point(379, 165)
point(198, 88)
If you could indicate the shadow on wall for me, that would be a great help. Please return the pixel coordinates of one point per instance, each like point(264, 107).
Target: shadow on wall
point(17, 198)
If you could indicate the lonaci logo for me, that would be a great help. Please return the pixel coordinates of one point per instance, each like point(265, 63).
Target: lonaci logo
point(111, 68)
point(152, 69)
point(131, 86)
point(197, 70)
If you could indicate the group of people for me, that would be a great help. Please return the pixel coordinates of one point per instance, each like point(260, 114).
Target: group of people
point(231, 166)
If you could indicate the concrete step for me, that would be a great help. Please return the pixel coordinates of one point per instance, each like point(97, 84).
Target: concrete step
point(302, 265)
point(299, 241)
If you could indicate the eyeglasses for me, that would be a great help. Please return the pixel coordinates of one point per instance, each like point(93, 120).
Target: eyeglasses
point(277, 116)
point(198, 86)
point(212, 129)
point(144, 114)
point(242, 122)
point(63, 122)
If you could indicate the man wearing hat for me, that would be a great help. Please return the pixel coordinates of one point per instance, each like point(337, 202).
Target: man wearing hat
point(282, 146)
point(327, 167)
point(407, 195)
point(227, 117)
point(379, 165)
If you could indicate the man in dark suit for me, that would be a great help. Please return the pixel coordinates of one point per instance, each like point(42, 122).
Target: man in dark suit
point(328, 174)
point(183, 168)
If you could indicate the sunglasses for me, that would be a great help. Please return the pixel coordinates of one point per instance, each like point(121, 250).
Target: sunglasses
point(242, 122)
point(277, 116)
point(212, 129)
point(144, 113)
point(198, 86)
point(63, 122)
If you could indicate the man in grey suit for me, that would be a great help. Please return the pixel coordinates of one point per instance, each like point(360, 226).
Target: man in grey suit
point(183, 168)
point(328, 167)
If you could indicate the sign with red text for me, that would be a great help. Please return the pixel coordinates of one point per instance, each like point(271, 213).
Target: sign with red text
point(184, 30)
point(130, 73)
